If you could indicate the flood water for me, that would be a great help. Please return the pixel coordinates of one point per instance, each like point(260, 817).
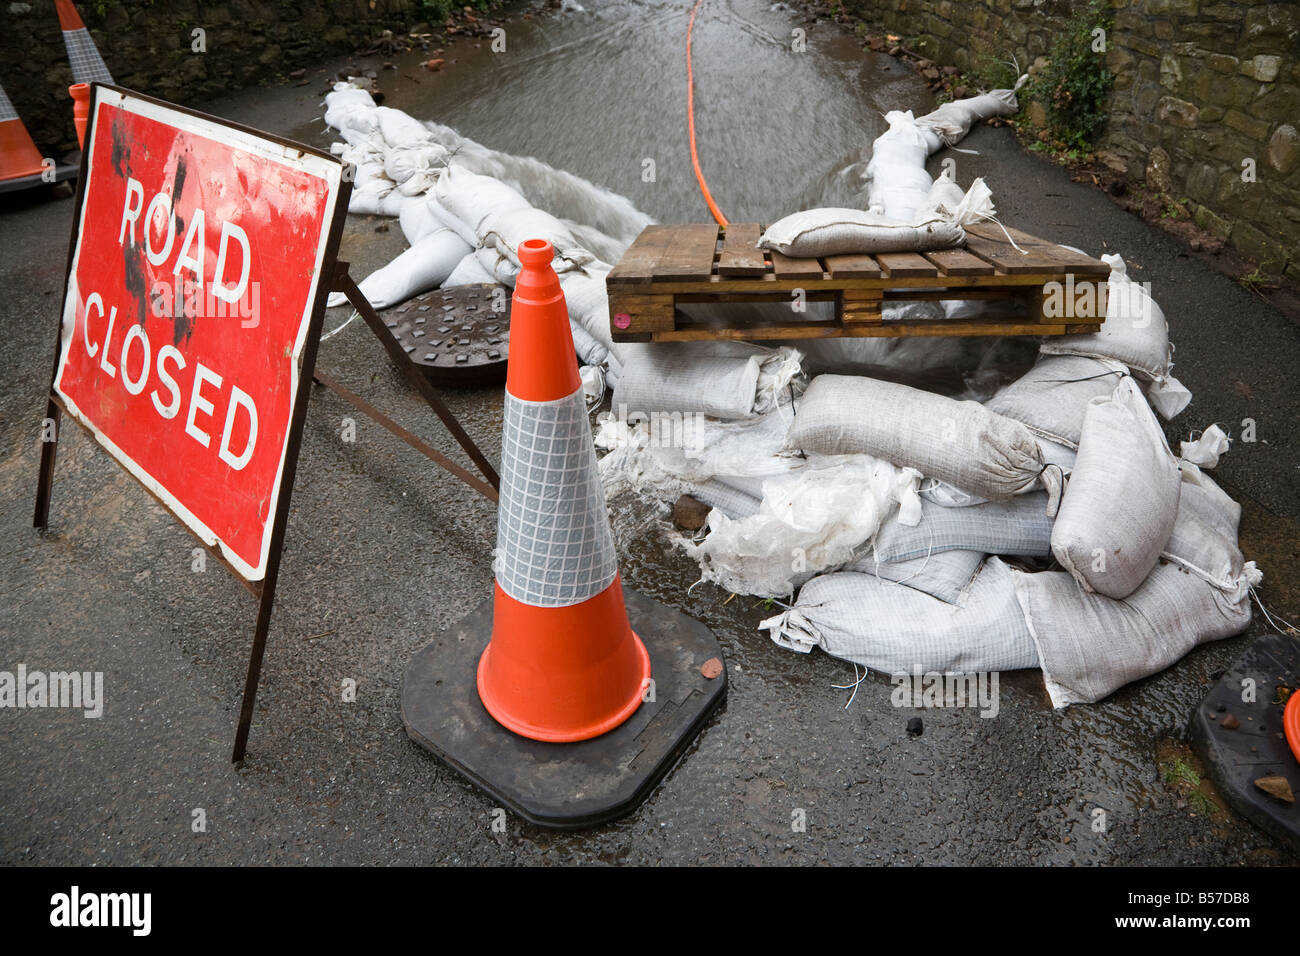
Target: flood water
point(601, 92)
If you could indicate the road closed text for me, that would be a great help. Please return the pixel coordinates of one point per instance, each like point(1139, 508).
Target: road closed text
point(214, 411)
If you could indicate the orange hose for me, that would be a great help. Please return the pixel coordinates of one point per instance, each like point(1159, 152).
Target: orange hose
point(690, 118)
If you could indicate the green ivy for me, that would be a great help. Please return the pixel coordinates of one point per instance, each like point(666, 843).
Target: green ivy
point(437, 10)
point(1074, 85)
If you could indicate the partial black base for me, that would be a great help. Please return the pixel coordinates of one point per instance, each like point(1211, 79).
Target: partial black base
point(573, 785)
point(1257, 747)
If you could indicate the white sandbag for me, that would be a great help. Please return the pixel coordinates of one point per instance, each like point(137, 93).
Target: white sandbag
point(465, 198)
point(953, 120)
point(1051, 398)
point(420, 268)
point(588, 303)
point(506, 230)
point(500, 267)
point(1122, 499)
point(826, 232)
point(469, 271)
point(417, 221)
point(1015, 526)
point(810, 519)
point(898, 630)
point(1136, 333)
point(730, 380)
point(962, 443)
point(401, 130)
point(731, 501)
point(1206, 450)
point(677, 377)
point(348, 108)
point(1204, 539)
point(1058, 456)
point(415, 168)
point(1090, 645)
point(590, 351)
point(897, 182)
point(944, 575)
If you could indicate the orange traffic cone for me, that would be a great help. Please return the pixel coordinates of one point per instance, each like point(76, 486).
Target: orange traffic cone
point(19, 157)
point(563, 663)
point(87, 65)
point(80, 93)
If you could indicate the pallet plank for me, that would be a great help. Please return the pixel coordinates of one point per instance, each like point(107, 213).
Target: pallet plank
point(690, 254)
point(959, 262)
point(1066, 259)
point(638, 264)
point(740, 255)
point(906, 265)
point(1007, 260)
point(861, 305)
point(784, 267)
point(852, 267)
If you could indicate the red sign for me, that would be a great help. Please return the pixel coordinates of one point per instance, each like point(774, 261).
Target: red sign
point(194, 278)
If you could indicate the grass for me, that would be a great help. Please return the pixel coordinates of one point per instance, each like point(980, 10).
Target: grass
point(1180, 771)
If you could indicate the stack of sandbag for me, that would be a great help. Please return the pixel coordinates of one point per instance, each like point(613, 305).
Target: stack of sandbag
point(1147, 542)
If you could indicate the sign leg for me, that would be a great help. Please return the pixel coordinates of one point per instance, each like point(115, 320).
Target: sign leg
point(44, 485)
point(265, 601)
point(343, 283)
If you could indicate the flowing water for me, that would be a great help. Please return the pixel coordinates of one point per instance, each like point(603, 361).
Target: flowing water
point(601, 92)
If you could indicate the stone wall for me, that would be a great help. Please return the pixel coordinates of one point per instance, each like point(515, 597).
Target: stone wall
point(1206, 98)
point(148, 46)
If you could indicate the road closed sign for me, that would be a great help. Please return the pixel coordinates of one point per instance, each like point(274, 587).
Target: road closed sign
point(195, 281)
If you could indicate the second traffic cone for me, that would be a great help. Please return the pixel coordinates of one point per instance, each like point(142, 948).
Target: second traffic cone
point(80, 93)
point(19, 156)
point(87, 65)
point(563, 663)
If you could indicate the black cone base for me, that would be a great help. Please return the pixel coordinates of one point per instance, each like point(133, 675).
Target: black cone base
point(573, 785)
point(1257, 747)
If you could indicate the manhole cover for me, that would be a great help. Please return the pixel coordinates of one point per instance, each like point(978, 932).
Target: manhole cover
point(458, 336)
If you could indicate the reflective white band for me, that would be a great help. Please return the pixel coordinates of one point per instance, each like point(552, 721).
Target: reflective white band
point(554, 547)
point(7, 111)
point(87, 65)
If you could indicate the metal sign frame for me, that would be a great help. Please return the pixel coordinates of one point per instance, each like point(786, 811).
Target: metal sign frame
point(332, 276)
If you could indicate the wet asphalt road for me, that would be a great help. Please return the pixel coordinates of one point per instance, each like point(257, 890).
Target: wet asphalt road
point(383, 550)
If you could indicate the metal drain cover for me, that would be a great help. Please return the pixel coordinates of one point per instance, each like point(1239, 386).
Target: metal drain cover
point(458, 336)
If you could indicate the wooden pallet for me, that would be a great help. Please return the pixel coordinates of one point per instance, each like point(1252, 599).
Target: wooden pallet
point(669, 266)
